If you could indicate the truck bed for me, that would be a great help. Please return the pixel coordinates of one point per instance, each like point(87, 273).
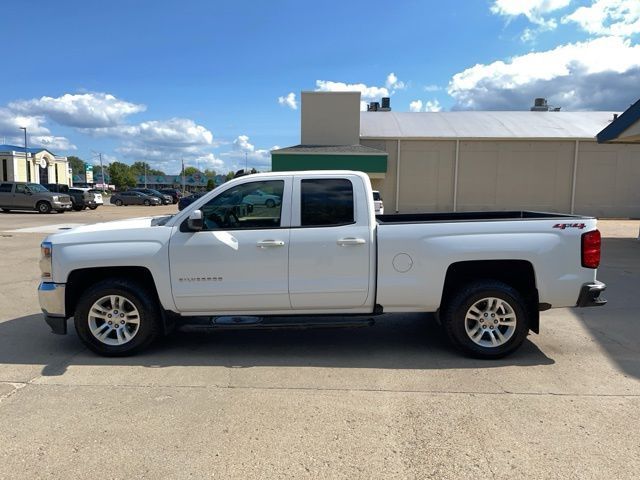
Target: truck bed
point(471, 216)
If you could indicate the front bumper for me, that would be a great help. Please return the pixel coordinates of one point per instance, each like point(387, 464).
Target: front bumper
point(590, 295)
point(52, 302)
point(62, 205)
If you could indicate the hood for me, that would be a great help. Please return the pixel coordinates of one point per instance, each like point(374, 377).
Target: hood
point(128, 224)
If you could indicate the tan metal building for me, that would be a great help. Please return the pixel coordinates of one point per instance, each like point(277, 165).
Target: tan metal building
point(465, 161)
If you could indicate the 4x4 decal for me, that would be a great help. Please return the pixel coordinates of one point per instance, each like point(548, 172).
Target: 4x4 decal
point(562, 226)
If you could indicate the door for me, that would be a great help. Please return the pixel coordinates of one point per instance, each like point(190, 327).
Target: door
point(22, 197)
point(331, 244)
point(239, 261)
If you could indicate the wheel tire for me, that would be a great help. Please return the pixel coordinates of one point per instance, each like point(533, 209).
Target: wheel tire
point(77, 208)
point(93, 207)
point(60, 211)
point(457, 320)
point(118, 203)
point(147, 203)
point(270, 203)
point(43, 207)
point(139, 296)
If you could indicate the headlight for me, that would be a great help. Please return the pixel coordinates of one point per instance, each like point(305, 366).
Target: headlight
point(55, 198)
point(46, 250)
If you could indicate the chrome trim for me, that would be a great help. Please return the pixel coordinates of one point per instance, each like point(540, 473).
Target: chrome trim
point(52, 298)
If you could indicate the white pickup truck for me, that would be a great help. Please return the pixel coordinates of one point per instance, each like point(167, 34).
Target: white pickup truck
point(318, 257)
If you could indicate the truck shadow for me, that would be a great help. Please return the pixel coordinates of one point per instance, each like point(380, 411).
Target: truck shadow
point(616, 326)
point(394, 342)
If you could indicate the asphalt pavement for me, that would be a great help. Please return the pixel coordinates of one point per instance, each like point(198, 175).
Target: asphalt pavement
point(389, 401)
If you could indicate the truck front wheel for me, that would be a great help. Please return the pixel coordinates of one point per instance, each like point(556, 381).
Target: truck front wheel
point(116, 317)
point(486, 319)
point(43, 207)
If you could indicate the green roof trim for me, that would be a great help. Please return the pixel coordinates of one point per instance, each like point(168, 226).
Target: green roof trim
point(283, 162)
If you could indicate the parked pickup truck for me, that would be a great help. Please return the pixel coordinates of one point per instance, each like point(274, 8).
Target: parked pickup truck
point(319, 257)
point(31, 196)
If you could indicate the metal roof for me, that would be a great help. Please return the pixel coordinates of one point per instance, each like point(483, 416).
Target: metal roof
point(15, 148)
point(331, 150)
point(483, 125)
point(612, 131)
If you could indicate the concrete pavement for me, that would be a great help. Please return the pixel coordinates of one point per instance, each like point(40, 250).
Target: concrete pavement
point(390, 401)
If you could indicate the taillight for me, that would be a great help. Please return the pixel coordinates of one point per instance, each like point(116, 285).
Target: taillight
point(591, 249)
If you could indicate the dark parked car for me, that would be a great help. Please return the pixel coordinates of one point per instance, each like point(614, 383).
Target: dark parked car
point(188, 200)
point(164, 199)
point(134, 198)
point(175, 194)
point(80, 199)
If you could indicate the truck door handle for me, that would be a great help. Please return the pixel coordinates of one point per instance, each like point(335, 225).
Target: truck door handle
point(344, 242)
point(270, 243)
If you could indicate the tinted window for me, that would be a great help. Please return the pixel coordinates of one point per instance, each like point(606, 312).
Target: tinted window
point(250, 205)
point(326, 202)
point(20, 188)
point(5, 188)
point(376, 196)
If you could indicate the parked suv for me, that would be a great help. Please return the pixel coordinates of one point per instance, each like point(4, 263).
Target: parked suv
point(80, 198)
point(175, 194)
point(32, 196)
point(164, 199)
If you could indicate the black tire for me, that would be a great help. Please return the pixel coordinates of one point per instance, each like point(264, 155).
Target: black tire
point(140, 296)
point(78, 208)
point(60, 211)
point(43, 207)
point(146, 203)
point(5, 210)
point(455, 323)
point(118, 203)
point(93, 207)
point(270, 203)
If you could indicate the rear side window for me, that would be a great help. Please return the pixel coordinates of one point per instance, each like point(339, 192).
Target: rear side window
point(5, 188)
point(326, 202)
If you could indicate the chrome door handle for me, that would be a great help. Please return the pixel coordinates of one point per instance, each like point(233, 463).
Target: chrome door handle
point(345, 242)
point(270, 243)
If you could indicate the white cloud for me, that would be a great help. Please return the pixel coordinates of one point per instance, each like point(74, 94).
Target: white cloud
point(608, 17)
point(533, 10)
point(57, 145)
point(393, 83)
point(596, 74)
point(85, 110)
point(242, 148)
point(432, 88)
point(367, 92)
point(289, 100)
point(428, 106)
point(416, 106)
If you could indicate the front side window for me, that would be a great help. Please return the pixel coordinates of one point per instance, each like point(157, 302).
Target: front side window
point(21, 188)
point(247, 206)
point(326, 202)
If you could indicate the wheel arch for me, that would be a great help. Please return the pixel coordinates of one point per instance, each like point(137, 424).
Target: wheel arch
point(519, 274)
point(81, 279)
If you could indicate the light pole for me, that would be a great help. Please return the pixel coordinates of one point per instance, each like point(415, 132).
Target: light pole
point(145, 174)
point(101, 168)
point(26, 154)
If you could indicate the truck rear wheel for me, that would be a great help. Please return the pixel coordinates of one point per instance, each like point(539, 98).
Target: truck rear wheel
point(116, 317)
point(486, 319)
point(43, 207)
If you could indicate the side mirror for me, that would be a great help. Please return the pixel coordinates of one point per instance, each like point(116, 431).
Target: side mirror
point(195, 222)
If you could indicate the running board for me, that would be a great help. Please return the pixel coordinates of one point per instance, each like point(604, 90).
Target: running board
point(268, 323)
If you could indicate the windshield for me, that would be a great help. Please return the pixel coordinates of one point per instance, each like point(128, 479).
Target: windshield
point(36, 187)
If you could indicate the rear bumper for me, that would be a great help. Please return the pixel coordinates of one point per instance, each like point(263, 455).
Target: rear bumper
point(52, 302)
point(590, 295)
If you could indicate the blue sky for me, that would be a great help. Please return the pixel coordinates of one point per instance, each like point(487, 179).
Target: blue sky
point(213, 82)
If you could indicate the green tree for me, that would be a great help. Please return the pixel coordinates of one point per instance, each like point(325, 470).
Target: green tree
point(191, 170)
point(138, 168)
point(76, 164)
point(210, 184)
point(230, 176)
point(121, 175)
point(209, 173)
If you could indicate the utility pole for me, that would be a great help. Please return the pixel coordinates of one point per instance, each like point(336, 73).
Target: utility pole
point(183, 186)
point(101, 168)
point(245, 162)
point(145, 174)
point(26, 154)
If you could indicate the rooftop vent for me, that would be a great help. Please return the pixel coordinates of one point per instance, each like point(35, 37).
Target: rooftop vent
point(540, 105)
point(377, 107)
